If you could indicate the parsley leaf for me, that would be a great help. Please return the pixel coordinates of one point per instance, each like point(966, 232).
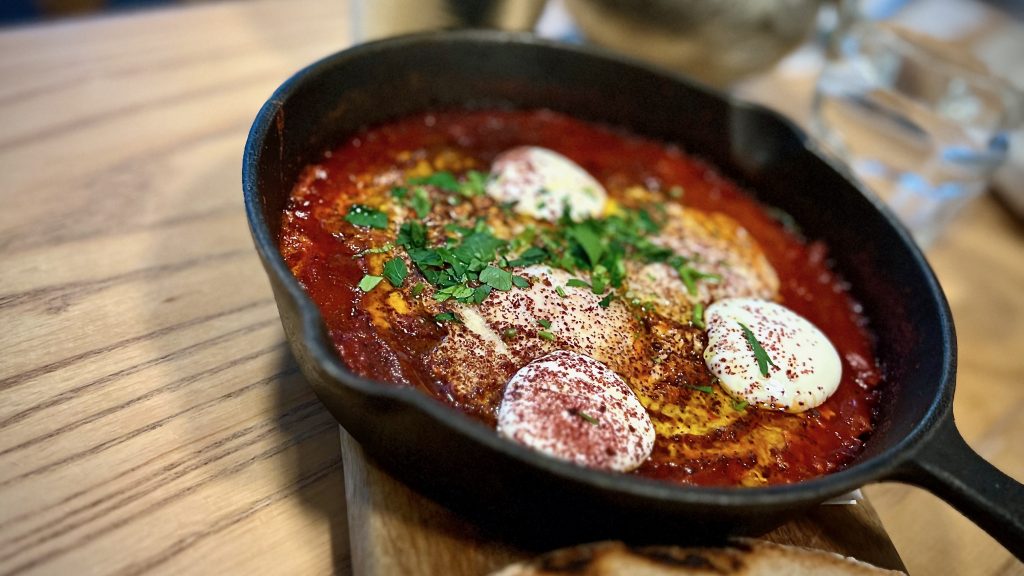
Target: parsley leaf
point(369, 282)
point(763, 361)
point(546, 335)
point(532, 255)
point(457, 291)
point(520, 282)
point(395, 271)
point(443, 180)
point(412, 235)
point(544, 323)
point(704, 389)
point(366, 217)
point(474, 185)
point(589, 240)
point(560, 291)
point(420, 202)
point(577, 283)
point(739, 405)
point(418, 289)
point(607, 300)
point(447, 317)
point(496, 278)
point(387, 247)
point(698, 315)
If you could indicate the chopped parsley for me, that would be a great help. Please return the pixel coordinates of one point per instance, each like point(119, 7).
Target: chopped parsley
point(546, 335)
point(496, 278)
point(704, 389)
point(418, 289)
point(447, 317)
point(395, 271)
point(420, 202)
point(475, 184)
point(698, 315)
point(739, 405)
point(444, 180)
point(369, 282)
point(464, 261)
point(387, 247)
point(586, 417)
point(763, 361)
point(690, 275)
point(509, 333)
point(366, 217)
point(544, 323)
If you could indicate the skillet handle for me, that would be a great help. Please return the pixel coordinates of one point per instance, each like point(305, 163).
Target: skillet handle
point(950, 469)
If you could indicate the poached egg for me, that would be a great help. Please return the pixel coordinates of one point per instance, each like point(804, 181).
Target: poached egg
point(572, 407)
point(542, 184)
point(769, 356)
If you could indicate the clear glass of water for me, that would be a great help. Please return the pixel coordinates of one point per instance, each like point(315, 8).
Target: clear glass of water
point(923, 130)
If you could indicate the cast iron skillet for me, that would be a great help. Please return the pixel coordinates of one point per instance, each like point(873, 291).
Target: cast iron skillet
point(465, 464)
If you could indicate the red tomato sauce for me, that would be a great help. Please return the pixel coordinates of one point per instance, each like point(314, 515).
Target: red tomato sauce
point(817, 442)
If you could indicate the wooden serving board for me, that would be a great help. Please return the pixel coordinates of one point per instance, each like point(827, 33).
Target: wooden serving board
point(395, 530)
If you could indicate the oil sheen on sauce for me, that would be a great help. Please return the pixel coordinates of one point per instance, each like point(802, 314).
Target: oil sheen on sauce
point(714, 445)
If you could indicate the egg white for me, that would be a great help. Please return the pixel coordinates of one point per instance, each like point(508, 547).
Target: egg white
point(807, 368)
point(542, 184)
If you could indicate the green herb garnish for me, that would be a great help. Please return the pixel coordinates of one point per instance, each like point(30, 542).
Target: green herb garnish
point(395, 271)
point(418, 289)
point(387, 247)
point(420, 202)
point(475, 184)
point(704, 389)
point(509, 333)
point(458, 291)
point(607, 300)
point(544, 323)
point(444, 180)
point(447, 317)
point(698, 315)
point(496, 278)
point(587, 417)
point(763, 361)
point(690, 275)
point(366, 217)
point(560, 291)
point(369, 282)
point(577, 283)
point(739, 405)
point(520, 282)
point(546, 335)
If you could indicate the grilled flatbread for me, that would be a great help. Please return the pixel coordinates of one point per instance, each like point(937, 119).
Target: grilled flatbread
point(742, 557)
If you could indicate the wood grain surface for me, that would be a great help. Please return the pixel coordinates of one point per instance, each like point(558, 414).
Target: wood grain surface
point(151, 416)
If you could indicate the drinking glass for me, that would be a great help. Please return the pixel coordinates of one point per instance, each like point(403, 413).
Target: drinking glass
point(922, 128)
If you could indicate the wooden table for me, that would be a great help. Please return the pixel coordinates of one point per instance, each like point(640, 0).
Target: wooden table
point(151, 416)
